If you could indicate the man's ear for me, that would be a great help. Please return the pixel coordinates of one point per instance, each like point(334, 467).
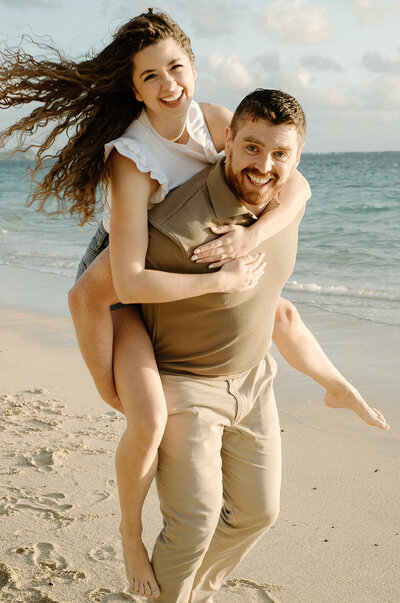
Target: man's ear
point(228, 138)
point(299, 152)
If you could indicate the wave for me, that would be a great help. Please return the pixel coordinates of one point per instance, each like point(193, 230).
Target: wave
point(342, 291)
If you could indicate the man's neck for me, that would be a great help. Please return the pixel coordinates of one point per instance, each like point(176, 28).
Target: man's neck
point(256, 210)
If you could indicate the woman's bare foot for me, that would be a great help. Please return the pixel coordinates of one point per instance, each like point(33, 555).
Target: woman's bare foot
point(139, 571)
point(347, 396)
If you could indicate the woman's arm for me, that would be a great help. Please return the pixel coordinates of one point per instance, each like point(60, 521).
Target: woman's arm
point(236, 240)
point(130, 190)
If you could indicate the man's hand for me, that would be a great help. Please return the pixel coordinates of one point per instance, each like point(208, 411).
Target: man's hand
point(236, 241)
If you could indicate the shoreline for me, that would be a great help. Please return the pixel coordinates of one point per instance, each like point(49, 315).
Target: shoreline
point(337, 535)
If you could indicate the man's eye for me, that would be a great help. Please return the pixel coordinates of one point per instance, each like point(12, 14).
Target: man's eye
point(252, 148)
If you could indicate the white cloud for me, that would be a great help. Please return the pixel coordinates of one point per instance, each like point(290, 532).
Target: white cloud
point(373, 11)
point(230, 71)
point(24, 4)
point(373, 61)
point(298, 21)
point(382, 94)
point(205, 17)
point(316, 62)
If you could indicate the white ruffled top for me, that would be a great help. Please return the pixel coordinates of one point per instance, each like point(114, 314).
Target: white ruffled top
point(170, 163)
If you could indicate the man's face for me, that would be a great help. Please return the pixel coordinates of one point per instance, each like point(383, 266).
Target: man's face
point(260, 159)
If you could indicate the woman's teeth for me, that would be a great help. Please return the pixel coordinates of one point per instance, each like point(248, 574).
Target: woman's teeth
point(173, 97)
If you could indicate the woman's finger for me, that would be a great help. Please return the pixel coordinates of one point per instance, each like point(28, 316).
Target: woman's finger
point(211, 247)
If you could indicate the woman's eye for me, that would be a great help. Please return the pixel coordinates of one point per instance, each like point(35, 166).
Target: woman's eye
point(150, 77)
point(176, 66)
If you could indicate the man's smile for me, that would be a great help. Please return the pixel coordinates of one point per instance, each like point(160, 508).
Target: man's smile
point(258, 181)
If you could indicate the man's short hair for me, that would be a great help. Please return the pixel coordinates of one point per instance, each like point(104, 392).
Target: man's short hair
point(272, 105)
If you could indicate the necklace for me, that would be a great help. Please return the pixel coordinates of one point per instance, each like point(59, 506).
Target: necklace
point(183, 138)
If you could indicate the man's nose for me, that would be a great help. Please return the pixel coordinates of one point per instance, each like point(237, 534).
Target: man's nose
point(264, 163)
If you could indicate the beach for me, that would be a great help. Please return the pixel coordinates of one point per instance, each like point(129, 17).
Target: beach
point(338, 534)
point(337, 537)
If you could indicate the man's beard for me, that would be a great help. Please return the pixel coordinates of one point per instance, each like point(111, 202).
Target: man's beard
point(243, 192)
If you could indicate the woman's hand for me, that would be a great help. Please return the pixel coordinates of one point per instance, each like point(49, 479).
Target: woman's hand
point(236, 241)
point(241, 274)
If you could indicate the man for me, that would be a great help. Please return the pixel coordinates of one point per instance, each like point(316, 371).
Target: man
point(221, 448)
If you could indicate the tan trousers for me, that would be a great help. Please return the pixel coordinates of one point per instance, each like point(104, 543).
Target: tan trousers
point(218, 479)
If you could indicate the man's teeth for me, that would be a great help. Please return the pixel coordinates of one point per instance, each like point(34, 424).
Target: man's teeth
point(173, 97)
point(257, 180)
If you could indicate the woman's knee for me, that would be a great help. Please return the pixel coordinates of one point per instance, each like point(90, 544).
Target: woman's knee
point(286, 315)
point(148, 427)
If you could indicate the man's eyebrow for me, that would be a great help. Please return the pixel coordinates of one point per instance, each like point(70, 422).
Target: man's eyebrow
point(147, 71)
point(262, 144)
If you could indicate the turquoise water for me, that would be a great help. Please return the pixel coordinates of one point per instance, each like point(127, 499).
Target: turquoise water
point(349, 248)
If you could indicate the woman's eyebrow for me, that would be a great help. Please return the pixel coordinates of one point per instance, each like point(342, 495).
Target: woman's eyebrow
point(147, 71)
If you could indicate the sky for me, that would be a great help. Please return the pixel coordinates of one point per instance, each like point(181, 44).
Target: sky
point(339, 58)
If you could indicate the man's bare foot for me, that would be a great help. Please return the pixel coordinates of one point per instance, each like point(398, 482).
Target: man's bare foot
point(139, 571)
point(347, 396)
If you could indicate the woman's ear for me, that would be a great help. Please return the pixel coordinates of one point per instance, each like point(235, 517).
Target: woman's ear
point(137, 95)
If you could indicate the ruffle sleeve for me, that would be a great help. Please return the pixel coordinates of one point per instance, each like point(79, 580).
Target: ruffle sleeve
point(137, 152)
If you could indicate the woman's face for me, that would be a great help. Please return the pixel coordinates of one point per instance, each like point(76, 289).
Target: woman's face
point(163, 79)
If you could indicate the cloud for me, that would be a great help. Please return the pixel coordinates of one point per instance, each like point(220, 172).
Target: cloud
point(316, 62)
point(205, 17)
point(382, 94)
point(373, 11)
point(374, 62)
point(230, 71)
point(268, 61)
point(297, 21)
point(24, 4)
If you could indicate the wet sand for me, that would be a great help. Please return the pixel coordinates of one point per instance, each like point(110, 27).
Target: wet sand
point(338, 534)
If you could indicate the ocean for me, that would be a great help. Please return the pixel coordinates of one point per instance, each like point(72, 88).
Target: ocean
point(349, 246)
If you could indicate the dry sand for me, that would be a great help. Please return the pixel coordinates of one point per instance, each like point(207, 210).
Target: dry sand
point(338, 535)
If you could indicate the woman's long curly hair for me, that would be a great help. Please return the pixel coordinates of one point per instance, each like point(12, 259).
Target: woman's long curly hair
point(91, 101)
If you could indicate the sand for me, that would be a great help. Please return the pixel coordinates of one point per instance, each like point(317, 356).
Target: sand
point(338, 535)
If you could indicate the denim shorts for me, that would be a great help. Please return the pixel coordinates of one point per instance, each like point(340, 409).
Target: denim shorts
point(98, 243)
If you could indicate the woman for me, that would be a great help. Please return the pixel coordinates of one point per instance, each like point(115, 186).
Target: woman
point(137, 93)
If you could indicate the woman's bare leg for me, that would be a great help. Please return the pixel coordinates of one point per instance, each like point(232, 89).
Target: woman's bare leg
point(119, 339)
point(140, 390)
point(89, 303)
point(301, 350)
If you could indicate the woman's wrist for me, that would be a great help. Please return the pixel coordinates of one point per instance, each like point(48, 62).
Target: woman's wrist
point(217, 281)
point(256, 235)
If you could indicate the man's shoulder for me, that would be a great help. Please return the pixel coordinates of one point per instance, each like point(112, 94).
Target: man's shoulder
point(177, 199)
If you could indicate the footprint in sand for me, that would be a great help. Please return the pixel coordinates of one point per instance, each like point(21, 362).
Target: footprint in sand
point(45, 459)
point(5, 576)
point(246, 591)
point(45, 555)
point(104, 595)
point(105, 553)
